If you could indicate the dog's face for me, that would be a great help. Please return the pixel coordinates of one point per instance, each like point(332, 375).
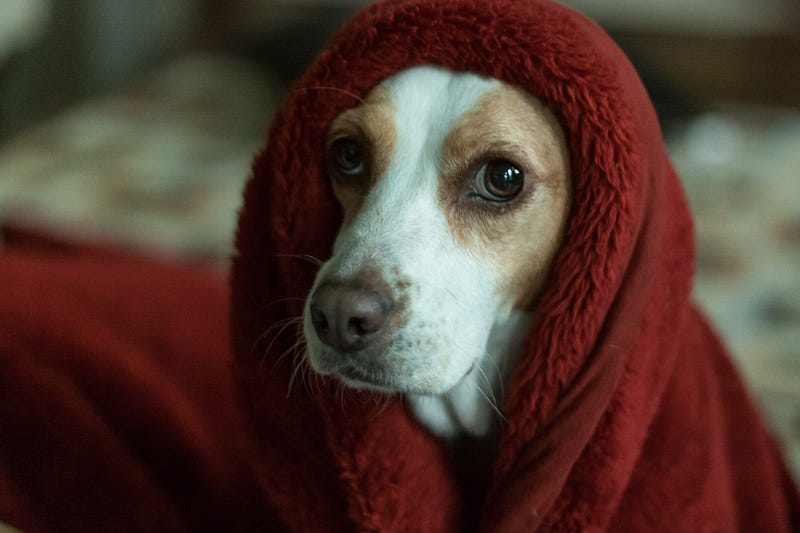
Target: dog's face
point(455, 190)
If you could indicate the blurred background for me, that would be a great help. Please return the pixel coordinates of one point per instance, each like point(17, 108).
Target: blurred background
point(135, 122)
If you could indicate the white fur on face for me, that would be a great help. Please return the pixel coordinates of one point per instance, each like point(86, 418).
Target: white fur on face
point(453, 297)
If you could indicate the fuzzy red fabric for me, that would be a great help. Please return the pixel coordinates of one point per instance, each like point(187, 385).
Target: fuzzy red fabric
point(625, 413)
point(117, 407)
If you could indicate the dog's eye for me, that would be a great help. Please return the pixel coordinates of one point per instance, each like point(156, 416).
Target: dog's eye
point(499, 181)
point(347, 157)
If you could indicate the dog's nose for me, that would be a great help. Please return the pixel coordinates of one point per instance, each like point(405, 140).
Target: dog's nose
point(348, 318)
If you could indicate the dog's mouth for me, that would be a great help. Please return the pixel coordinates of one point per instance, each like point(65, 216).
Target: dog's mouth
point(358, 378)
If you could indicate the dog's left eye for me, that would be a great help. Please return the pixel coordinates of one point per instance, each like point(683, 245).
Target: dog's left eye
point(499, 181)
point(347, 157)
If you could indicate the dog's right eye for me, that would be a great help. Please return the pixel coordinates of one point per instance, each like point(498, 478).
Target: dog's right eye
point(347, 157)
point(498, 181)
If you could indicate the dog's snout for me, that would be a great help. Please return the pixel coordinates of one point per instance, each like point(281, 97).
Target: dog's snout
point(349, 318)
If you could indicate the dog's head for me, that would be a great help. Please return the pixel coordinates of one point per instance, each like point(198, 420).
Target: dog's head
point(455, 190)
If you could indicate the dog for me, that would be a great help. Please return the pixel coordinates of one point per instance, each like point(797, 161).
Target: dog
point(455, 191)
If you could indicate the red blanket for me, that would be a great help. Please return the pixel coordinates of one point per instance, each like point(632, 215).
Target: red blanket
point(625, 413)
point(117, 411)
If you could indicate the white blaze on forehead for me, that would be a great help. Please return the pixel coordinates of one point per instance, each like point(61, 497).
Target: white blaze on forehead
point(428, 102)
point(402, 231)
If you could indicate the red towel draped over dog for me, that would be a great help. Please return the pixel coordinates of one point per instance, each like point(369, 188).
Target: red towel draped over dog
point(118, 412)
point(624, 414)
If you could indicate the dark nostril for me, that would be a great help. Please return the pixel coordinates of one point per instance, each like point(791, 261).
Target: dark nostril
point(356, 326)
point(319, 320)
point(345, 317)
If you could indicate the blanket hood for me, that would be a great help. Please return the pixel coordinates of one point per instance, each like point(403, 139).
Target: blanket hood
point(616, 364)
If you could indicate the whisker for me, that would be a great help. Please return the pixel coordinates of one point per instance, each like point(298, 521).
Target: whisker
point(387, 401)
point(273, 326)
point(302, 368)
point(281, 325)
point(500, 380)
point(287, 299)
point(269, 330)
point(490, 397)
point(327, 88)
point(380, 402)
point(485, 379)
point(311, 379)
point(294, 348)
point(491, 403)
point(340, 394)
point(266, 306)
point(306, 257)
point(295, 371)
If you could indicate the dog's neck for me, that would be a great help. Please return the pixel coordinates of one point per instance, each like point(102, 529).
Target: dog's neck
point(472, 407)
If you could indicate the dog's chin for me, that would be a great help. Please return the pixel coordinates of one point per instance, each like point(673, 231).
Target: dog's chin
point(359, 379)
point(356, 378)
point(384, 377)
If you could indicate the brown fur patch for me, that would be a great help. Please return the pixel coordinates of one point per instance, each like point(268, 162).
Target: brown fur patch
point(519, 237)
point(372, 125)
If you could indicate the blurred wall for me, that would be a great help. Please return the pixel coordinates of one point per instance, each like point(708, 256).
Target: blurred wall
point(727, 50)
point(690, 54)
point(85, 47)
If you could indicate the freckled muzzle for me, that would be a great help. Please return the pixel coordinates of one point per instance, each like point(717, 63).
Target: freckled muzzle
point(356, 318)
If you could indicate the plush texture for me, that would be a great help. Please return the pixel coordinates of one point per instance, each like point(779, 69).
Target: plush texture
point(624, 414)
point(118, 411)
point(117, 407)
